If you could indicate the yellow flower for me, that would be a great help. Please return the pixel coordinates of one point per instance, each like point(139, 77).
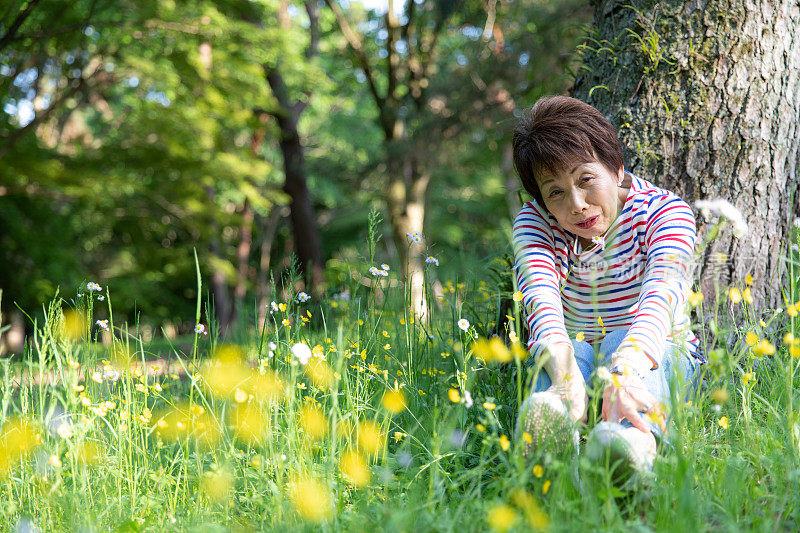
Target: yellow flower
point(763, 347)
point(527, 437)
point(517, 297)
point(501, 518)
point(748, 279)
point(720, 396)
point(489, 406)
point(320, 372)
point(398, 436)
point(723, 422)
point(747, 377)
point(240, 396)
point(546, 487)
point(518, 351)
point(600, 321)
point(282, 307)
point(789, 339)
point(505, 444)
point(534, 515)
point(538, 471)
point(249, 423)
point(454, 396)
point(354, 468)
point(580, 336)
point(311, 499)
point(490, 350)
point(735, 295)
point(370, 437)
point(480, 427)
point(751, 338)
point(394, 401)
point(216, 485)
point(695, 298)
point(794, 351)
point(747, 295)
point(385, 333)
point(791, 310)
point(313, 421)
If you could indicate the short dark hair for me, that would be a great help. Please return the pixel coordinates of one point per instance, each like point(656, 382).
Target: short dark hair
point(558, 131)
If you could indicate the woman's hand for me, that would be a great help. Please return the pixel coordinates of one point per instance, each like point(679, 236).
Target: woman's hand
point(567, 380)
point(625, 397)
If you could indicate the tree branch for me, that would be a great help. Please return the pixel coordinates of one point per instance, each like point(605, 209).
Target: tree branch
point(12, 30)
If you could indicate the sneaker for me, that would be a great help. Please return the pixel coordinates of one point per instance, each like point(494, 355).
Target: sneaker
point(546, 419)
point(627, 451)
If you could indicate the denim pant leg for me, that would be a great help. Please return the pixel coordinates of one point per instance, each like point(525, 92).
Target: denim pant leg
point(584, 356)
point(677, 367)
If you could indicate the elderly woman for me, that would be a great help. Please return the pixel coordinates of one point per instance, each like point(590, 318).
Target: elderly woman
point(603, 260)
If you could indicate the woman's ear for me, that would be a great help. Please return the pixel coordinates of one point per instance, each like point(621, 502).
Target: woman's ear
point(620, 176)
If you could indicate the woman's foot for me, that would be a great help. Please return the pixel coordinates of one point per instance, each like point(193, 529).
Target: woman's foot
point(627, 451)
point(545, 424)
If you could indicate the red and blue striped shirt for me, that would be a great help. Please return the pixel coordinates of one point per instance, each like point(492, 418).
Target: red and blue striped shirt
point(637, 280)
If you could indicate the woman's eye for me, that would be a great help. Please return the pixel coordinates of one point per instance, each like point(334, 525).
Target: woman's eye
point(585, 179)
point(553, 194)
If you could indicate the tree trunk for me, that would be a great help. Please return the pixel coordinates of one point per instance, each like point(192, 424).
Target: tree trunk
point(406, 202)
point(243, 258)
point(706, 99)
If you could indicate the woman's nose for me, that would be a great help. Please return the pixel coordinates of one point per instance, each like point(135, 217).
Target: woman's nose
point(578, 201)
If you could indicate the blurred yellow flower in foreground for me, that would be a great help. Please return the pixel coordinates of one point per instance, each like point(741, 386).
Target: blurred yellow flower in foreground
point(517, 297)
point(695, 298)
point(763, 347)
point(216, 485)
point(394, 401)
point(751, 338)
point(313, 422)
point(501, 518)
point(225, 371)
point(18, 438)
point(311, 499)
point(248, 423)
point(74, 324)
point(454, 396)
point(491, 350)
point(534, 515)
point(720, 396)
point(735, 295)
point(371, 439)
point(354, 468)
point(320, 373)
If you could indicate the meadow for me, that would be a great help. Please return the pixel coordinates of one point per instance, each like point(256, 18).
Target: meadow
point(351, 414)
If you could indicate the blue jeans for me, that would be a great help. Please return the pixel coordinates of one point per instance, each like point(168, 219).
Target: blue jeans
point(677, 368)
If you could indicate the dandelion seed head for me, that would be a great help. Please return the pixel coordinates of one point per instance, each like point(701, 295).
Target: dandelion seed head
point(463, 324)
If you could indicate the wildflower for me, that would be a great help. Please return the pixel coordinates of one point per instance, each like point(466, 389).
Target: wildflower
point(505, 444)
point(580, 336)
point(789, 339)
point(240, 396)
point(735, 295)
point(747, 377)
point(720, 396)
point(600, 240)
point(64, 430)
point(748, 279)
point(200, 329)
point(394, 401)
point(398, 436)
point(723, 422)
point(454, 396)
point(480, 427)
point(54, 461)
point(791, 310)
point(751, 338)
point(489, 406)
point(501, 518)
point(546, 487)
point(695, 298)
point(274, 306)
point(311, 499)
point(302, 297)
point(313, 421)
point(432, 260)
point(796, 222)
point(102, 324)
point(463, 324)
point(354, 468)
point(375, 271)
point(517, 296)
point(763, 347)
point(538, 471)
point(467, 399)
point(92, 286)
point(527, 437)
point(747, 295)
point(370, 437)
point(302, 352)
point(714, 209)
point(100, 297)
point(414, 237)
point(534, 515)
point(385, 267)
point(604, 373)
point(97, 377)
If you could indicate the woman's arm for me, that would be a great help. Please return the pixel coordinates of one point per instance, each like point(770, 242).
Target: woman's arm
point(669, 238)
point(538, 280)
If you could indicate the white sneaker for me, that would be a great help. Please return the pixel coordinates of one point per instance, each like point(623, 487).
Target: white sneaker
point(545, 418)
point(628, 451)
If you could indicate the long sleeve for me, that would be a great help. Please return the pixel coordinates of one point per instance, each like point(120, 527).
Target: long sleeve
point(538, 279)
point(670, 236)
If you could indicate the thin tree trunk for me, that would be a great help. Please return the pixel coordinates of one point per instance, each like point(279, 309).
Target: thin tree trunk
point(706, 98)
point(243, 258)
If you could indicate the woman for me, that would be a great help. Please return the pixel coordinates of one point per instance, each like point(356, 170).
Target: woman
point(603, 260)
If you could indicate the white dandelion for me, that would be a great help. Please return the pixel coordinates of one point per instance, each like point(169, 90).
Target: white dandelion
point(463, 324)
point(302, 352)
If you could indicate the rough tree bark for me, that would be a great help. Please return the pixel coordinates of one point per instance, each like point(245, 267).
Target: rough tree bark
point(705, 95)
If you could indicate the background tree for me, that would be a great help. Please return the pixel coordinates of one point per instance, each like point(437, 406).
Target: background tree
point(706, 100)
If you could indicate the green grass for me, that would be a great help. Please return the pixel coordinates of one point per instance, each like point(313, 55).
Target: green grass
point(438, 466)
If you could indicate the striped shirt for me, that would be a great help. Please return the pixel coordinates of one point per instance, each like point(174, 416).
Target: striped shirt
point(636, 278)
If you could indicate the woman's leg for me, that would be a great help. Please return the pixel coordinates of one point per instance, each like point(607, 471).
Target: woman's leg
point(584, 356)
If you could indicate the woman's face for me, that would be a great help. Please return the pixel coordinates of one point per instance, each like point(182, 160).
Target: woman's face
point(585, 200)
